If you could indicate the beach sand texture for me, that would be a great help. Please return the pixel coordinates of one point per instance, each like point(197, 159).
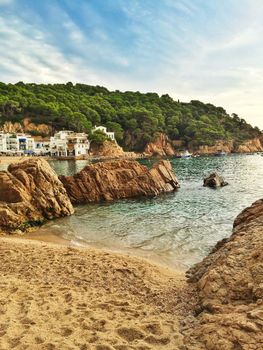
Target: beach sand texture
point(60, 297)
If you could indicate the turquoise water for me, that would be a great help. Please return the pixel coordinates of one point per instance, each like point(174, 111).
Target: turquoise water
point(178, 229)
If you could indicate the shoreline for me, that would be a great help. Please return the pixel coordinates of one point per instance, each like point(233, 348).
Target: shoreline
point(85, 298)
point(11, 159)
point(54, 238)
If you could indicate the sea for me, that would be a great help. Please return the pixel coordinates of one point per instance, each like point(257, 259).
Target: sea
point(176, 229)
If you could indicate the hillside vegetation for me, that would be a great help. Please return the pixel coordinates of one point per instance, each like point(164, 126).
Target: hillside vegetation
point(135, 118)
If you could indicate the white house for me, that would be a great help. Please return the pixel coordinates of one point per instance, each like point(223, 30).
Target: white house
point(110, 135)
point(16, 144)
point(68, 143)
point(42, 146)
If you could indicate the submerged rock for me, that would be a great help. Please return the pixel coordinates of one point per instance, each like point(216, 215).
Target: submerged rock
point(30, 192)
point(119, 179)
point(214, 180)
point(230, 286)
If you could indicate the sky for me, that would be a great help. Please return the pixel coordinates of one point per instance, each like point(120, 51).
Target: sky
point(207, 50)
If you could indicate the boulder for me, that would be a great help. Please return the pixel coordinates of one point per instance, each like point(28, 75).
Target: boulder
point(30, 193)
point(229, 282)
point(108, 181)
point(214, 180)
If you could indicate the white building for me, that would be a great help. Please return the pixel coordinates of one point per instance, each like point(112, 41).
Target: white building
point(68, 143)
point(42, 147)
point(16, 144)
point(110, 135)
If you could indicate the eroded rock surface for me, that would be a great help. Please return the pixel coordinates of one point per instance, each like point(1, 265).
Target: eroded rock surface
point(214, 180)
point(249, 146)
point(110, 149)
point(230, 285)
point(254, 145)
point(30, 193)
point(161, 146)
point(119, 179)
point(26, 126)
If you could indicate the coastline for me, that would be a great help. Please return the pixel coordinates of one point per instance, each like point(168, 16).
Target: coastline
point(67, 297)
point(45, 235)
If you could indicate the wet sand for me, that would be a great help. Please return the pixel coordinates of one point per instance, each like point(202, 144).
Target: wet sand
point(54, 296)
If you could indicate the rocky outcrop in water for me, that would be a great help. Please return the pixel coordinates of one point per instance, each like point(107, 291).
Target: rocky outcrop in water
point(214, 180)
point(119, 179)
point(30, 193)
point(230, 286)
point(161, 146)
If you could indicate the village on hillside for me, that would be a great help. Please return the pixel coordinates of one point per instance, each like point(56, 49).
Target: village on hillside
point(64, 143)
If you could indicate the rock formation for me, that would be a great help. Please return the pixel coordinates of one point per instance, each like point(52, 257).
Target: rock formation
point(249, 146)
point(26, 126)
point(109, 149)
point(214, 180)
point(220, 145)
point(161, 146)
point(30, 193)
point(119, 179)
point(230, 286)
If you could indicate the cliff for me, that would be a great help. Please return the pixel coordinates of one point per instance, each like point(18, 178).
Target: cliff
point(230, 286)
point(254, 145)
point(26, 126)
point(30, 193)
point(249, 146)
point(225, 146)
point(161, 146)
point(119, 179)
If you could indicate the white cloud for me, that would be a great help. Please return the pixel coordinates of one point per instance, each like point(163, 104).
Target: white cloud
point(219, 61)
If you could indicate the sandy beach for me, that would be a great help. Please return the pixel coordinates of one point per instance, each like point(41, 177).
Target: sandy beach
point(54, 296)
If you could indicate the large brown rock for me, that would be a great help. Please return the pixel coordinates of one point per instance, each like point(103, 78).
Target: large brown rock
point(161, 146)
point(230, 285)
point(30, 193)
point(119, 179)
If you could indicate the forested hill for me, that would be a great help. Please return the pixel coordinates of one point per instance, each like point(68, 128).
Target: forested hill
point(136, 118)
